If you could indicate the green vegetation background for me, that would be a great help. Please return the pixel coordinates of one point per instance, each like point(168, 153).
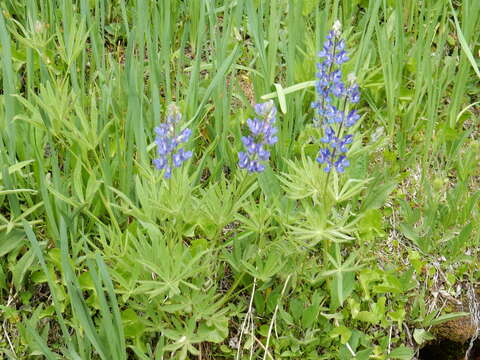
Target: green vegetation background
point(100, 258)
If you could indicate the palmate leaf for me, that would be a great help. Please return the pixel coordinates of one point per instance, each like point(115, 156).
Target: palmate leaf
point(185, 338)
point(304, 180)
point(307, 179)
point(162, 199)
point(265, 266)
point(71, 46)
point(221, 201)
point(258, 218)
point(170, 262)
point(350, 188)
point(170, 277)
point(311, 236)
point(343, 282)
point(316, 227)
point(214, 330)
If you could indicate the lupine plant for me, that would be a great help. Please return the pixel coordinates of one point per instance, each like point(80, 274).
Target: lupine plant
point(168, 140)
point(332, 104)
point(262, 134)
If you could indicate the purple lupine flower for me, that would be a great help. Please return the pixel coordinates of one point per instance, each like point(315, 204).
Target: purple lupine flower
point(262, 133)
point(341, 163)
point(334, 97)
point(351, 118)
point(341, 145)
point(329, 135)
point(324, 156)
point(168, 140)
point(353, 91)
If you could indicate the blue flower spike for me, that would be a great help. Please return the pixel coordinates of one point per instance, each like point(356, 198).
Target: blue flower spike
point(334, 98)
point(169, 141)
point(262, 134)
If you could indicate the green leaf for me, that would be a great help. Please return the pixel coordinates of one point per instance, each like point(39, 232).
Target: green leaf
point(398, 316)
point(337, 316)
point(56, 301)
point(343, 332)
point(371, 224)
point(10, 241)
point(402, 353)
point(132, 324)
point(269, 184)
point(378, 194)
point(463, 42)
point(290, 89)
point(281, 98)
point(448, 317)
point(85, 281)
point(22, 267)
point(409, 232)
point(285, 316)
point(310, 314)
point(3, 279)
point(363, 355)
point(17, 167)
point(343, 274)
point(421, 336)
point(259, 301)
point(342, 286)
point(457, 244)
point(308, 7)
point(296, 308)
point(219, 76)
point(214, 330)
point(366, 277)
point(367, 316)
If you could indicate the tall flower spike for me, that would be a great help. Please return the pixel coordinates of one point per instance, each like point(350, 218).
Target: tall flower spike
point(262, 134)
point(168, 142)
point(334, 97)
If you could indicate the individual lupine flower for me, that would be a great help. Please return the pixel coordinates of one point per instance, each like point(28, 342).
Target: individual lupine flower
point(168, 141)
point(342, 144)
point(325, 157)
point(351, 118)
point(333, 99)
point(341, 163)
point(262, 134)
point(329, 135)
point(353, 91)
